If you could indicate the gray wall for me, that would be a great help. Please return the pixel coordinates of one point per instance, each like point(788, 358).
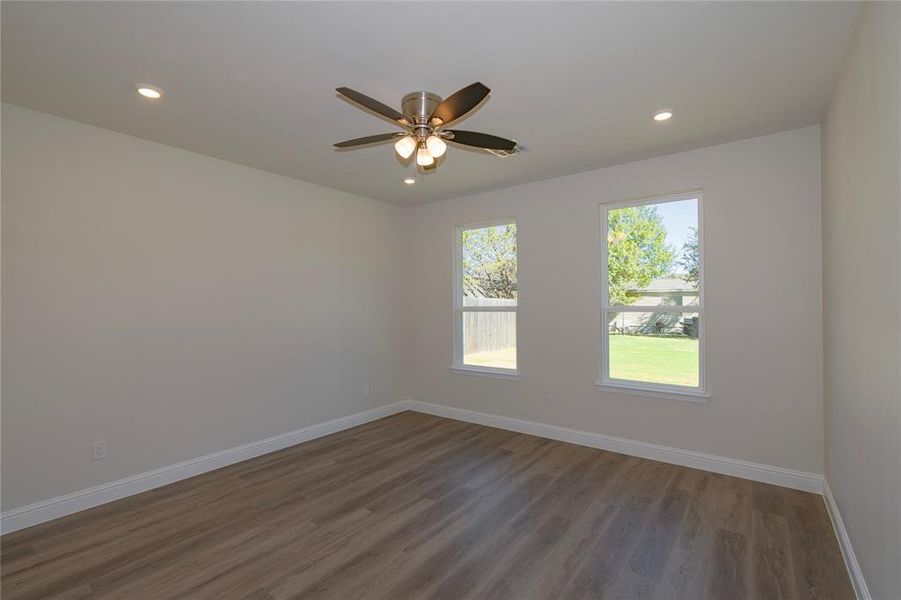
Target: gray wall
point(862, 276)
point(762, 213)
point(176, 305)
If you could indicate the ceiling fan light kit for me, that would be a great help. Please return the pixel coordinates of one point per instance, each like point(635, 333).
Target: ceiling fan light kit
point(423, 117)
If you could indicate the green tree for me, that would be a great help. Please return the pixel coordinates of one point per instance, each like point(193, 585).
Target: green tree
point(636, 251)
point(489, 261)
point(689, 259)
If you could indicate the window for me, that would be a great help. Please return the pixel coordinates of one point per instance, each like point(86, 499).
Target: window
point(485, 296)
point(652, 295)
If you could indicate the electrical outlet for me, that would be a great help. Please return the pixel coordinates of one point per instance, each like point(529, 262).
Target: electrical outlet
point(98, 450)
point(367, 392)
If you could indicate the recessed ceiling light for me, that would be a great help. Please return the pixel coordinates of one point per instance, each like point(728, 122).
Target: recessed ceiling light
point(409, 181)
point(149, 91)
point(663, 115)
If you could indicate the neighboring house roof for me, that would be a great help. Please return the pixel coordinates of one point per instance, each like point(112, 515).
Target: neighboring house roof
point(668, 285)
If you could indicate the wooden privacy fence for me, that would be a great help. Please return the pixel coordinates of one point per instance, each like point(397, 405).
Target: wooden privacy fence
point(489, 331)
point(650, 323)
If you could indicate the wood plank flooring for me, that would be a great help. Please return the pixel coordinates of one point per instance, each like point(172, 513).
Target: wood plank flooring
point(415, 506)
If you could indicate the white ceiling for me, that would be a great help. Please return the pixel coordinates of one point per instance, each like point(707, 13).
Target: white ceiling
point(575, 83)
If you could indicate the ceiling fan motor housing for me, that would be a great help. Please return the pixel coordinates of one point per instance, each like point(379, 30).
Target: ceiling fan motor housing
point(418, 107)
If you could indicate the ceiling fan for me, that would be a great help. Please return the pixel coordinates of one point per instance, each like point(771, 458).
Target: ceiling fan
point(423, 119)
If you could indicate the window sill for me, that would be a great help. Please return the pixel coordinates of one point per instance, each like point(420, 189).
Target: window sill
point(490, 373)
point(697, 397)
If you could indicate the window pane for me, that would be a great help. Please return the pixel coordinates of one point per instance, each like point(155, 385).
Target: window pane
point(488, 256)
point(489, 339)
point(652, 254)
point(654, 347)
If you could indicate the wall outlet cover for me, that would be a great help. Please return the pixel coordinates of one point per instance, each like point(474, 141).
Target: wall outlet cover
point(98, 450)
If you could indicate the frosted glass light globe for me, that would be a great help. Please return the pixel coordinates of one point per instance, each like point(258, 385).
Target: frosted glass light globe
point(436, 146)
point(405, 146)
point(423, 157)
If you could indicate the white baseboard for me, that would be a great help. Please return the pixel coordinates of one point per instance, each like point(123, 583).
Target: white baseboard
point(54, 508)
point(799, 480)
point(47, 510)
point(844, 542)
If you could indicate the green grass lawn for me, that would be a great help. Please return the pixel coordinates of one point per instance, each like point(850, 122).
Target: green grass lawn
point(499, 359)
point(668, 360)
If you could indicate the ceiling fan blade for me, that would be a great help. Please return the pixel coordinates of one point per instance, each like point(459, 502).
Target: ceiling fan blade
point(481, 140)
point(369, 139)
point(373, 105)
point(459, 103)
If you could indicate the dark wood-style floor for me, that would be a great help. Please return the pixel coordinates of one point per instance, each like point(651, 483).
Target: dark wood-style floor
point(414, 506)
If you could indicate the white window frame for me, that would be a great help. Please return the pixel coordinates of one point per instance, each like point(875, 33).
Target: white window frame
point(459, 309)
point(677, 392)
